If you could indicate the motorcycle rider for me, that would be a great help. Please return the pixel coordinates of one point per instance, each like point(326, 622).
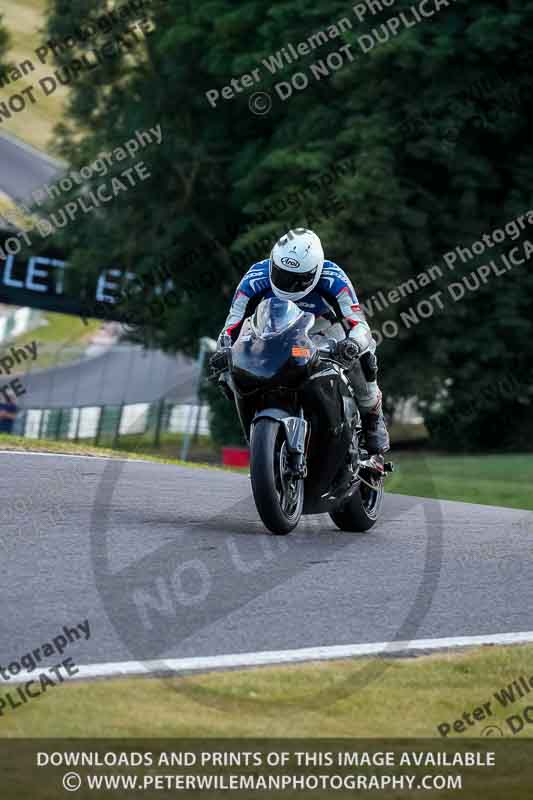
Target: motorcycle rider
point(296, 270)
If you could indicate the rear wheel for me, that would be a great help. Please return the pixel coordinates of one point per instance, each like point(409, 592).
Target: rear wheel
point(278, 494)
point(362, 510)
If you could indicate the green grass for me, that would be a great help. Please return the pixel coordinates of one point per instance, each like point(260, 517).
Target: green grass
point(359, 698)
point(62, 340)
point(19, 443)
point(500, 480)
point(23, 20)
point(7, 207)
point(365, 698)
point(170, 447)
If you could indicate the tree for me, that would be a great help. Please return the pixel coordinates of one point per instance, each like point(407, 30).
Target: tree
point(4, 40)
point(433, 122)
point(224, 424)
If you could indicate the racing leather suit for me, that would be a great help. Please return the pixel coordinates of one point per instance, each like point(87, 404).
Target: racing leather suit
point(338, 314)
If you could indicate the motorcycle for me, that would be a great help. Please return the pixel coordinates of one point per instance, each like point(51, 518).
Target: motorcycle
point(299, 415)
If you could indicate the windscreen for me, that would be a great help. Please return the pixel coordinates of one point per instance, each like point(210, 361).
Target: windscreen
point(273, 316)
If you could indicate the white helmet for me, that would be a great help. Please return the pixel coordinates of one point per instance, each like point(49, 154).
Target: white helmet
point(296, 263)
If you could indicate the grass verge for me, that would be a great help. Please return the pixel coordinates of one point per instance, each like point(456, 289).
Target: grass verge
point(61, 340)
point(10, 212)
point(353, 698)
point(202, 449)
point(19, 443)
point(494, 480)
point(24, 19)
point(497, 480)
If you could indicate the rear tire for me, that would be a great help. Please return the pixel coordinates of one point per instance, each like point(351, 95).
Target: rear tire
point(279, 500)
point(362, 510)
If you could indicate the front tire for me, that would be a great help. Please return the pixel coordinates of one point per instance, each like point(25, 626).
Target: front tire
point(362, 510)
point(278, 496)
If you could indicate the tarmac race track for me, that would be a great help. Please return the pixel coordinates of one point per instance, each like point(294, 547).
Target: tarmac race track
point(168, 562)
point(23, 168)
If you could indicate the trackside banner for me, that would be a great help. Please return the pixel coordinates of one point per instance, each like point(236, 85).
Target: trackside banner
point(42, 281)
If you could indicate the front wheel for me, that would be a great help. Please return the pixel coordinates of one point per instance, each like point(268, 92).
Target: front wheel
point(362, 510)
point(278, 494)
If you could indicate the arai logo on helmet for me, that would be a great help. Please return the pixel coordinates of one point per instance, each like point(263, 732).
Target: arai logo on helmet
point(290, 262)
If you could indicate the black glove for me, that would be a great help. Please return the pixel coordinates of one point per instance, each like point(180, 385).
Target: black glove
point(218, 363)
point(347, 351)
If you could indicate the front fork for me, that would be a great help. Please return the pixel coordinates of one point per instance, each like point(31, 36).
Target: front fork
point(296, 432)
point(296, 435)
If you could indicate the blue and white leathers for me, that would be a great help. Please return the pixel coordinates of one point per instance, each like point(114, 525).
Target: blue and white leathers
point(333, 300)
point(334, 303)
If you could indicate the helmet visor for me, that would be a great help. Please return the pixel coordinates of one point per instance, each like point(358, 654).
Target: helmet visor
point(291, 282)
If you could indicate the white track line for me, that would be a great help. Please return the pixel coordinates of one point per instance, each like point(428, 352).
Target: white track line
point(51, 454)
point(240, 660)
point(120, 459)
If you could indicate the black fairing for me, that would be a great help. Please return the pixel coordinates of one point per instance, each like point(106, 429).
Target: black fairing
point(261, 363)
point(332, 412)
point(267, 374)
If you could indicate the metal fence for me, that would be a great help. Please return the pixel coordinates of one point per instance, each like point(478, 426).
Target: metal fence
point(105, 425)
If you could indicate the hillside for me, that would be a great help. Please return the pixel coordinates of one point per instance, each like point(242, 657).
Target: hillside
point(24, 20)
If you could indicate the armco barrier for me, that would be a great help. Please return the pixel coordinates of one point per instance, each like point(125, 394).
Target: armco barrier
point(104, 425)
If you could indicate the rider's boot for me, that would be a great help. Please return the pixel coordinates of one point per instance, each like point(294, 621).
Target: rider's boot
point(363, 378)
point(376, 437)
